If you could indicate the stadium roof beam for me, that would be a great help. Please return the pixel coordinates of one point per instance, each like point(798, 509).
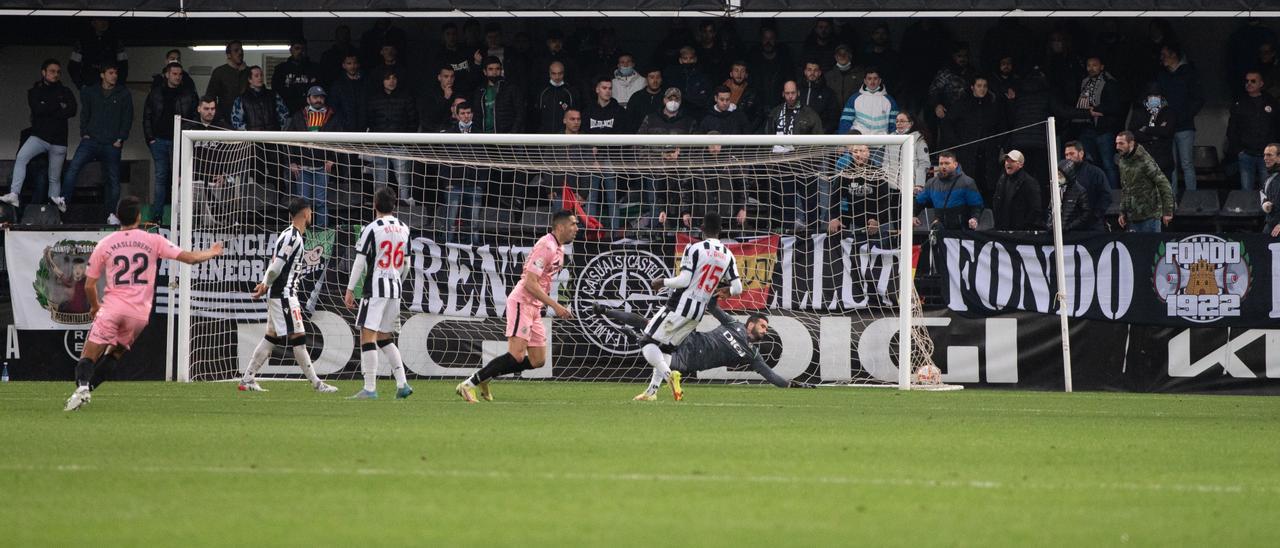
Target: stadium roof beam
point(544, 14)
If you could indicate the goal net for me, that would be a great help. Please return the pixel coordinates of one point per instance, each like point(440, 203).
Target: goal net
point(816, 224)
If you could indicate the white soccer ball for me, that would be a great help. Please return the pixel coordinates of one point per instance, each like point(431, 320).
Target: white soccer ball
point(928, 374)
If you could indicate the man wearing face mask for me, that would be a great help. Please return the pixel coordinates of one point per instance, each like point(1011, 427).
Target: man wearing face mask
point(691, 81)
point(1152, 125)
point(672, 120)
point(626, 80)
point(555, 98)
point(499, 105)
point(844, 78)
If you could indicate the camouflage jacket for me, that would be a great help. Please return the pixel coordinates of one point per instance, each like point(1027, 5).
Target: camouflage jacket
point(1147, 194)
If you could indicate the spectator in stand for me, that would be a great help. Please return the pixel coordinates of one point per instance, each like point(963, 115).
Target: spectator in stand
point(649, 100)
point(665, 191)
point(719, 188)
point(162, 104)
point(1076, 213)
point(604, 116)
point(1271, 190)
point(673, 119)
point(1094, 182)
point(1148, 196)
point(455, 55)
point(208, 171)
point(713, 51)
point(500, 103)
point(206, 116)
point(771, 65)
point(1242, 49)
point(626, 80)
point(952, 193)
point(295, 76)
point(230, 80)
point(1100, 111)
point(555, 53)
point(106, 114)
point(463, 120)
point(1180, 82)
point(1034, 102)
point(391, 61)
point(871, 111)
point(332, 59)
point(692, 82)
point(880, 53)
point(796, 203)
point(95, 50)
point(1152, 123)
point(348, 95)
point(844, 78)
point(515, 68)
point(159, 79)
point(861, 199)
point(555, 98)
point(1016, 204)
point(603, 58)
point(907, 124)
point(820, 45)
point(1005, 83)
point(311, 166)
point(815, 94)
point(259, 108)
point(979, 118)
point(439, 100)
point(1251, 126)
point(462, 185)
point(1269, 66)
point(724, 118)
point(393, 110)
point(1063, 67)
point(51, 105)
point(742, 94)
point(949, 86)
point(374, 39)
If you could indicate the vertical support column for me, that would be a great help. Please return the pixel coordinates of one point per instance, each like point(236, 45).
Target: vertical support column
point(170, 316)
point(1055, 206)
point(185, 237)
point(906, 282)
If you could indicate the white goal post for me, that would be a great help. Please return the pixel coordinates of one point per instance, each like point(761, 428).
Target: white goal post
point(209, 210)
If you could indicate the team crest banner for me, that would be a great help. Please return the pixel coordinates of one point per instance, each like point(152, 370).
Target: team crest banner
point(47, 276)
point(1173, 279)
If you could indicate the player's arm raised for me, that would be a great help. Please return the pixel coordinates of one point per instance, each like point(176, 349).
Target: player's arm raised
point(531, 285)
point(197, 257)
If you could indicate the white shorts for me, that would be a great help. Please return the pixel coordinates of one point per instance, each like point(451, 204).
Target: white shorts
point(379, 314)
point(667, 327)
point(284, 315)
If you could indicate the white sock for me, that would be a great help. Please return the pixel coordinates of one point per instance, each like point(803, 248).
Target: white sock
point(260, 356)
point(655, 383)
point(655, 357)
point(369, 366)
point(304, 361)
point(392, 354)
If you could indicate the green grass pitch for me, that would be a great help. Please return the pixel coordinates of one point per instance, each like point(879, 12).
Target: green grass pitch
point(568, 464)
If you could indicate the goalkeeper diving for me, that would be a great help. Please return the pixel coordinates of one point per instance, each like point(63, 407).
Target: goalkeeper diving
point(731, 344)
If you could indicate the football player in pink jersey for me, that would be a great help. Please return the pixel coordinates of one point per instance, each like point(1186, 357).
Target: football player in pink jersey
point(526, 337)
point(128, 259)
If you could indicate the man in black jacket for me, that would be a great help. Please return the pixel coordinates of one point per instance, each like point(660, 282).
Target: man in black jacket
point(977, 119)
point(603, 116)
point(648, 100)
point(163, 103)
point(311, 166)
point(52, 105)
point(1271, 189)
point(498, 104)
point(94, 51)
point(295, 76)
point(1099, 113)
point(1077, 216)
point(673, 119)
point(1017, 205)
point(1253, 124)
point(348, 94)
point(724, 117)
point(259, 108)
point(555, 98)
point(815, 94)
point(1094, 182)
point(392, 110)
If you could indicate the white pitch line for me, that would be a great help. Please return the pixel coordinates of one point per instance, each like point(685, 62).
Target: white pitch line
point(1216, 489)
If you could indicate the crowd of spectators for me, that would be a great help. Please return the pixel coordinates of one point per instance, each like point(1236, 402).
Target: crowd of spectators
point(1126, 107)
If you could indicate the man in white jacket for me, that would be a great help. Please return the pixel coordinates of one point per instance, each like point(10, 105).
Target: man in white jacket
point(626, 79)
point(871, 110)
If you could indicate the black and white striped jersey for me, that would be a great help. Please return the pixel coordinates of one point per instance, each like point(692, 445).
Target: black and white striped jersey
point(288, 251)
point(384, 245)
point(709, 262)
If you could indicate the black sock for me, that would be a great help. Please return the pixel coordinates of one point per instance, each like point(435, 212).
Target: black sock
point(524, 365)
point(102, 371)
point(493, 369)
point(84, 372)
